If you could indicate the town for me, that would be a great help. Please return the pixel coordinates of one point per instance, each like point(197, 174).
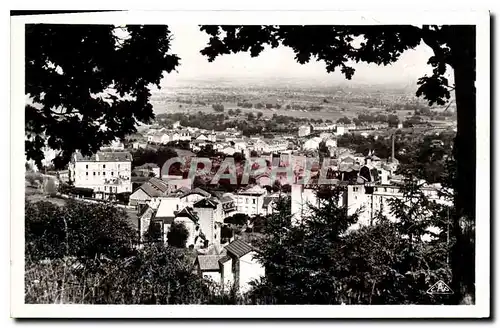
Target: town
point(247, 165)
point(221, 221)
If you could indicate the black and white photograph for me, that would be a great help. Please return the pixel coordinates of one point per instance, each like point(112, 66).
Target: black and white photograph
point(336, 162)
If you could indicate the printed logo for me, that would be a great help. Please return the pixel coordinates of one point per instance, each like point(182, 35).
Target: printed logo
point(440, 288)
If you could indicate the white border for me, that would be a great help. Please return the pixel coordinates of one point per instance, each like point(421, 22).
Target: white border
point(482, 307)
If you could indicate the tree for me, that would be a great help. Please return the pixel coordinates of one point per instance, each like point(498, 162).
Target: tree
point(158, 157)
point(393, 120)
point(177, 235)
point(300, 259)
point(238, 219)
point(344, 120)
point(218, 107)
point(452, 45)
point(78, 229)
point(250, 116)
point(71, 105)
point(259, 115)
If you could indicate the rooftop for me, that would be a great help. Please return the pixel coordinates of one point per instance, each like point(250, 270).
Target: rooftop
point(209, 262)
point(105, 156)
point(155, 187)
point(239, 248)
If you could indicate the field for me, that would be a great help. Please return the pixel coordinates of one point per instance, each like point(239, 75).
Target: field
point(334, 102)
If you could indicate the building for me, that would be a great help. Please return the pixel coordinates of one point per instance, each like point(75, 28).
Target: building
point(147, 169)
point(176, 125)
point(331, 142)
point(106, 172)
point(249, 201)
point(236, 266)
point(190, 197)
point(184, 135)
point(245, 267)
point(370, 200)
point(190, 220)
point(277, 146)
point(211, 218)
point(323, 127)
point(304, 130)
point(208, 267)
point(312, 144)
point(153, 188)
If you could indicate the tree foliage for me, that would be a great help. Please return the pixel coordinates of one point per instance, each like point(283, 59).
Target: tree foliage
point(70, 71)
point(158, 157)
point(77, 229)
point(177, 235)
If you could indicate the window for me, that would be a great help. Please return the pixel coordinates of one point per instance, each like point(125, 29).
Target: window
point(254, 201)
point(112, 173)
point(103, 173)
point(385, 189)
point(87, 166)
point(103, 166)
point(105, 188)
point(94, 173)
point(98, 173)
point(246, 200)
point(86, 173)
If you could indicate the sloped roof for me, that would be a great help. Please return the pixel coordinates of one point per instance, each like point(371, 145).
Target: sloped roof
point(254, 190)
point(205, 202)
point(105, 156)
point(197, 191)
point(226, 199)
point(155, 187)
point(224, 259)
point(147, 166)
point(187, 212)
point(209, 262)
point(239, 248)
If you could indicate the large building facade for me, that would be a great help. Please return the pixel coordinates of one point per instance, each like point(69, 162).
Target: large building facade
point(106, 172)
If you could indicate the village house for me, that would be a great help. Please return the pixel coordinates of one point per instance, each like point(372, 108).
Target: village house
point(304, 130)
point(245, 267)
point(235, 267)
point(139, 145)
point(323, 127)
point(106, 172)
point(147, 170)
point(311, 144)
point(277, 146)
point(249, 201)
point(370, 200)
point(184, 135)
point(153, 188)
point(209, 267)
point(331, 142)
point(211, 218)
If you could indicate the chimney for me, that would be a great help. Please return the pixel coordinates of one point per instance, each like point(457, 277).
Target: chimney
point(392, 157)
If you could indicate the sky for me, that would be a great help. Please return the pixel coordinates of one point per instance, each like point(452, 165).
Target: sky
point(278, 63)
